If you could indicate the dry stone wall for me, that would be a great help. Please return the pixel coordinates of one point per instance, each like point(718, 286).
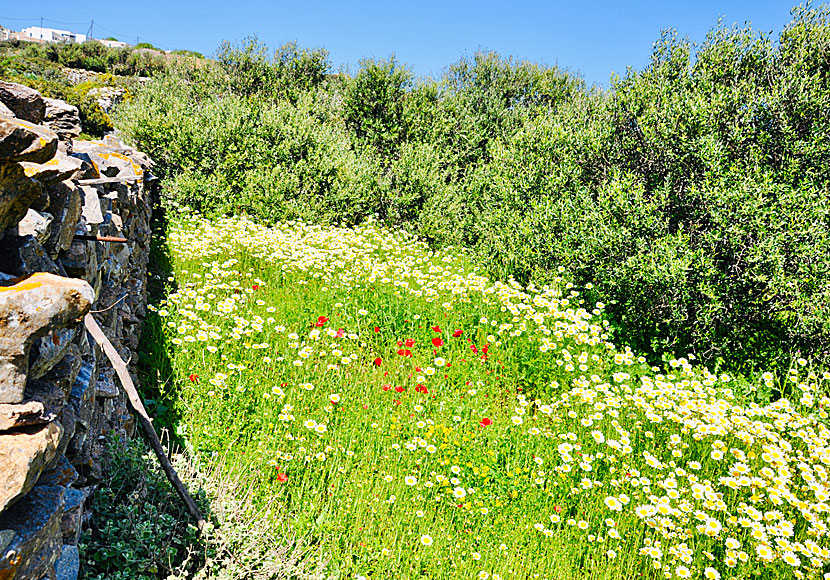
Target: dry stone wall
point(59, 398)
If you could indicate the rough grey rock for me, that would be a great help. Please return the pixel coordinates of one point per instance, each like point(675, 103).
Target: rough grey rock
point(4, 110)
point(66, 207)
point(73, 516)
point(24, 141)
point(91, 205)
point(17, 193)
point(24, 102)
point(62, 474)
point(35, 223)
point(24, 454)
point(68, 566)
point(62, 118)
point(49, 350)
point(59, 168)
point(23, 255)
point(34, 523)
point(63, 374)
point(28, 310)
point(43, 403)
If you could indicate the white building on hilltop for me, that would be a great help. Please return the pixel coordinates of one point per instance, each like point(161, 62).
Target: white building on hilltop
point(51, 34)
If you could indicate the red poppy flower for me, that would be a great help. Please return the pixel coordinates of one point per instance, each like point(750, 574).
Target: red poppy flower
point(397, 402)
point(557, 509)
point(282, 477)
point(377, 361)
point(438, 341)
point(457, 333)
point(321, 320)
point(377, 329)
point(386, 387)
point(422, 389)
point(409, 343)
point(255, 287)
point(485, 349)
point(399, 389)
point(436, 328)
point(193, 378)
point(339, 333)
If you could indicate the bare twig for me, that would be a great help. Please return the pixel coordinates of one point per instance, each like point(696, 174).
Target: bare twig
point(144, 419)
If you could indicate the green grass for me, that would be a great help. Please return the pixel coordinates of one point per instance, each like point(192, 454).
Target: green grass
point(409, 418)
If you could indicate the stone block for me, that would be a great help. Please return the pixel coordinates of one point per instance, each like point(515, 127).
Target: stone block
point(17, 193)
point(24, 454)
point(31, 531)
point(68, 565)
point(29, 309)
point(24, 141)
point(43, 403)
point(24, 102)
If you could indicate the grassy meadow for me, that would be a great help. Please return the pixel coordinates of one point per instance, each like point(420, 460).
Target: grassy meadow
point(407, 417)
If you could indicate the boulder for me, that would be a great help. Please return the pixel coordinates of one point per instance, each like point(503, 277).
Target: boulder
point(24, 454)
point(17, 193)
point(26, 103)
point(24, 141)
point(30, 309)
point(62, 118)
point(32, 528)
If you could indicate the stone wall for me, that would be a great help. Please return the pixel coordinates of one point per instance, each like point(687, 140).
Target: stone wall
point(59, 398)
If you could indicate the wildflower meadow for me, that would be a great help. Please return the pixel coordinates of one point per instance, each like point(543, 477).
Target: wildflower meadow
point(411, 418)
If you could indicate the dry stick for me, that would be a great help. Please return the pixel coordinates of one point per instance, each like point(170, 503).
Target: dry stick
point(144, 419)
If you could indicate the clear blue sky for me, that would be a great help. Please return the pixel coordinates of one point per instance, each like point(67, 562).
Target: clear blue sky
point(591, 37)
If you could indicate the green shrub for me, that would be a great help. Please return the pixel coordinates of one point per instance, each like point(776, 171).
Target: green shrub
point(691, 196)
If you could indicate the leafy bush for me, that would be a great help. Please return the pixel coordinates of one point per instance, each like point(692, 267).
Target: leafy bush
point(691, 197)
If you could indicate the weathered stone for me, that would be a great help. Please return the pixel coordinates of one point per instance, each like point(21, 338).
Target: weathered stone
point(73, 516)
point(23, 141)
point(88, 169)
point(26, 103)
point(62, 474)
point(23, 455)
point(105, 387)
point(24, 255)
point(28, 310)
point(91, 205)
point(35, 223)
point(43, 403)
point(59, 168)
point(17, 193)
point(63, 374)
point(68, 566)
point(48, 350)
point(108, 161)
point(36, 541)
point(4, 110)
point(63, 118)
point(66, 207)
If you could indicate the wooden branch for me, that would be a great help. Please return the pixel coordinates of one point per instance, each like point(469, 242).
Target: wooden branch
point(144, 419)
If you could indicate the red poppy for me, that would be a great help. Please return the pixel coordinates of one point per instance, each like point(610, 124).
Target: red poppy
point(436, 328)
point(339, 333)
point(485, 422)
point(386, 387)
point(557, 509)
point(422, 389)
point(409, 343)
point(282, 477)
point(255, 287)
point(485, 349)
point(321, 320)
point(193, 378)
point(399, 389)
point(377, 361)
point(438, 341)
point(397, 402)
point(474, 348)
point(457, 333)
point(377, 329)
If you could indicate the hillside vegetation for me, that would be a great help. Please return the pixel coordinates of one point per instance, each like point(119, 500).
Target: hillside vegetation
point(692, 196)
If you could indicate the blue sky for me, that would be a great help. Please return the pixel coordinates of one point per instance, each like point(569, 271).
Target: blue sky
point(591, 37)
